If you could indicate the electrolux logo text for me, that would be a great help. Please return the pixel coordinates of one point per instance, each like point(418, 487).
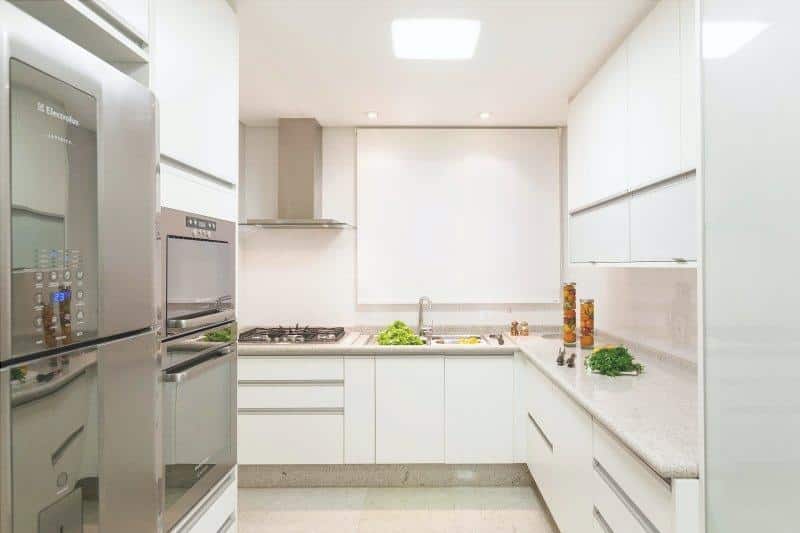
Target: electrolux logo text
point(55, 113)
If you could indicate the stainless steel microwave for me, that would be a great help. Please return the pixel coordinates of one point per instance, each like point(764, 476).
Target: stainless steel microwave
point(198, 255)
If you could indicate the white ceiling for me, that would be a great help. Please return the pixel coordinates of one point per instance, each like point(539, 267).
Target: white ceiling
point(333, 60)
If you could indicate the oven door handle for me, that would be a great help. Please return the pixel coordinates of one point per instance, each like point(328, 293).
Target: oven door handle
point(220, 356)
point(205, 320)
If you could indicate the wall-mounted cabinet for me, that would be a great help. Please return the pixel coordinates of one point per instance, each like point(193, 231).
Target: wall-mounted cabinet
point(195, 77)
point(633, 145)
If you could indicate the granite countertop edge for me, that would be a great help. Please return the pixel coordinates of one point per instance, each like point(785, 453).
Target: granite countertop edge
point(673, 468)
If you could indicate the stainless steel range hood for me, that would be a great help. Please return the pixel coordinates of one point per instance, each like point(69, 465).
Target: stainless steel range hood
point(299, 177)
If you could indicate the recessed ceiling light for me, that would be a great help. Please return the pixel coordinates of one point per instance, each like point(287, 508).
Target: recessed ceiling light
point(485, 115)
point(432, 38)
point(372, 115)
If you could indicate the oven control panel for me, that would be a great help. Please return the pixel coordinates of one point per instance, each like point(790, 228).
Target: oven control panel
point(201, 227)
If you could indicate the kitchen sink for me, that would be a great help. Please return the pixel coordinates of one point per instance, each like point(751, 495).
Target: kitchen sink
point(458, 339)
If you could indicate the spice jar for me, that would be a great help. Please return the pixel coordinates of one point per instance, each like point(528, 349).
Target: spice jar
point(514, 328)
point(524, 330)
point(587, 323)
point(569, 333)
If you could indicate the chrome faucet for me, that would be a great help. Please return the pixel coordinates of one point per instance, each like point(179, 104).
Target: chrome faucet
point(423, 330)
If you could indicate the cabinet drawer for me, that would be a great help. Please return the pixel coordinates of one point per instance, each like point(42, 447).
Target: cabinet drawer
point(649, 492)
point(610, 511)
point(290, 368)
point(291, 395)
point(219, 516)
point(291, 438)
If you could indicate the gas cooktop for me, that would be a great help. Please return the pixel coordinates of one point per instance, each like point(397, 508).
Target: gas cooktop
point(295, 335)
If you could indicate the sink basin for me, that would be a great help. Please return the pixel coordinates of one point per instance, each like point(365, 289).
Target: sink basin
point(458, 339)
point(443, 339)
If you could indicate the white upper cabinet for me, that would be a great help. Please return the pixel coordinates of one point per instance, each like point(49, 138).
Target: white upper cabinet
point(654, 96)
point(196, 81)
point(134, 14)
point(664, 222)
point(690, 88)
point(578, 138)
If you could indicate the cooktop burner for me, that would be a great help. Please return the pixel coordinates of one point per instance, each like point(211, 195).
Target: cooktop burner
point(295, 335)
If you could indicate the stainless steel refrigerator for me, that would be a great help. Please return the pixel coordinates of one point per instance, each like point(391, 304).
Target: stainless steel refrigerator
point(78, 350)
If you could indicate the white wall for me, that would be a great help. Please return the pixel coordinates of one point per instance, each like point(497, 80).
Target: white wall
point(309, 275)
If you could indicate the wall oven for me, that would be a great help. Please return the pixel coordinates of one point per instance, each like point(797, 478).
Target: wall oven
point(198, 416)
point(198, 275)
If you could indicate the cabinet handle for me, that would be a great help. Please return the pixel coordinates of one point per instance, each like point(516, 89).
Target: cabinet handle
point(680, 260)
point(291, 410)
point(541, 432)
point(601, 521)
point(626, 500)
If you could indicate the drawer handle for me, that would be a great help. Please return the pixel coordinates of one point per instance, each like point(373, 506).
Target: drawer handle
point(272, 382)
point(626, 500)
point(601, 521)
point(291, 410)
point(228, 524)
point(541, 432)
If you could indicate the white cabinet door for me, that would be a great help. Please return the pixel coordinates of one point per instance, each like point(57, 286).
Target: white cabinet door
point(291, 438)
point(654, 95)
point(409, 409)
point(690, 88)
point(220, 517)
point(132, 13)
point(579, 143)
point(601, 234)
point(664, 221)
point(609, 93)
point(572, 435)
point(195, 77)
point(359, 410)
point(479, 400)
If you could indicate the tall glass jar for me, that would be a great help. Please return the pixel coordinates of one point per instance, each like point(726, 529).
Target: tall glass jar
point(569, 333)
point(587, 323)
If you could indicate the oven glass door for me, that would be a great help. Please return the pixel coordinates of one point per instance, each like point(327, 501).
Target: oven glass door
point(54, 444)
point(200, 283)
point(199, 419)
point(54, 206)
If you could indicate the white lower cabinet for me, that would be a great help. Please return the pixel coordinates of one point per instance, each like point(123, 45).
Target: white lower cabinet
point(287, 437)
point(291, 410)
point(409, 409)
point(559, 443)
point(479, 396)
point(359, 413)
point(217, 514)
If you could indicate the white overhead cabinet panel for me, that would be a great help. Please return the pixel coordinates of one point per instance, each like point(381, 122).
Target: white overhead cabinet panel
point(654, 101)
point(597, 134)
point(461, 215)
point(132, 13)
point(664, 222)
point(601, 234)
point(196, 81)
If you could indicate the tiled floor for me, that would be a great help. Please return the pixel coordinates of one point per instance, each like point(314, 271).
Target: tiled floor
point(393, 510)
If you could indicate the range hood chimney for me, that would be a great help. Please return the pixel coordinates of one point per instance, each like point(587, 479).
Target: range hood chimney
point(299, 177)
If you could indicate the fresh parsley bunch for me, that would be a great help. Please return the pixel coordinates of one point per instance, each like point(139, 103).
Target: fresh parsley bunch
point(612, 361)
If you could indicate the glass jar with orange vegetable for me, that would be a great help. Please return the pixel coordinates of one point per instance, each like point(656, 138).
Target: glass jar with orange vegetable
point(587, 323)
point(569, 333)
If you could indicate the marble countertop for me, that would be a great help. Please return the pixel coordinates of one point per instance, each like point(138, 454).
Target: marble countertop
point(654, 414)
point(356, 343)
